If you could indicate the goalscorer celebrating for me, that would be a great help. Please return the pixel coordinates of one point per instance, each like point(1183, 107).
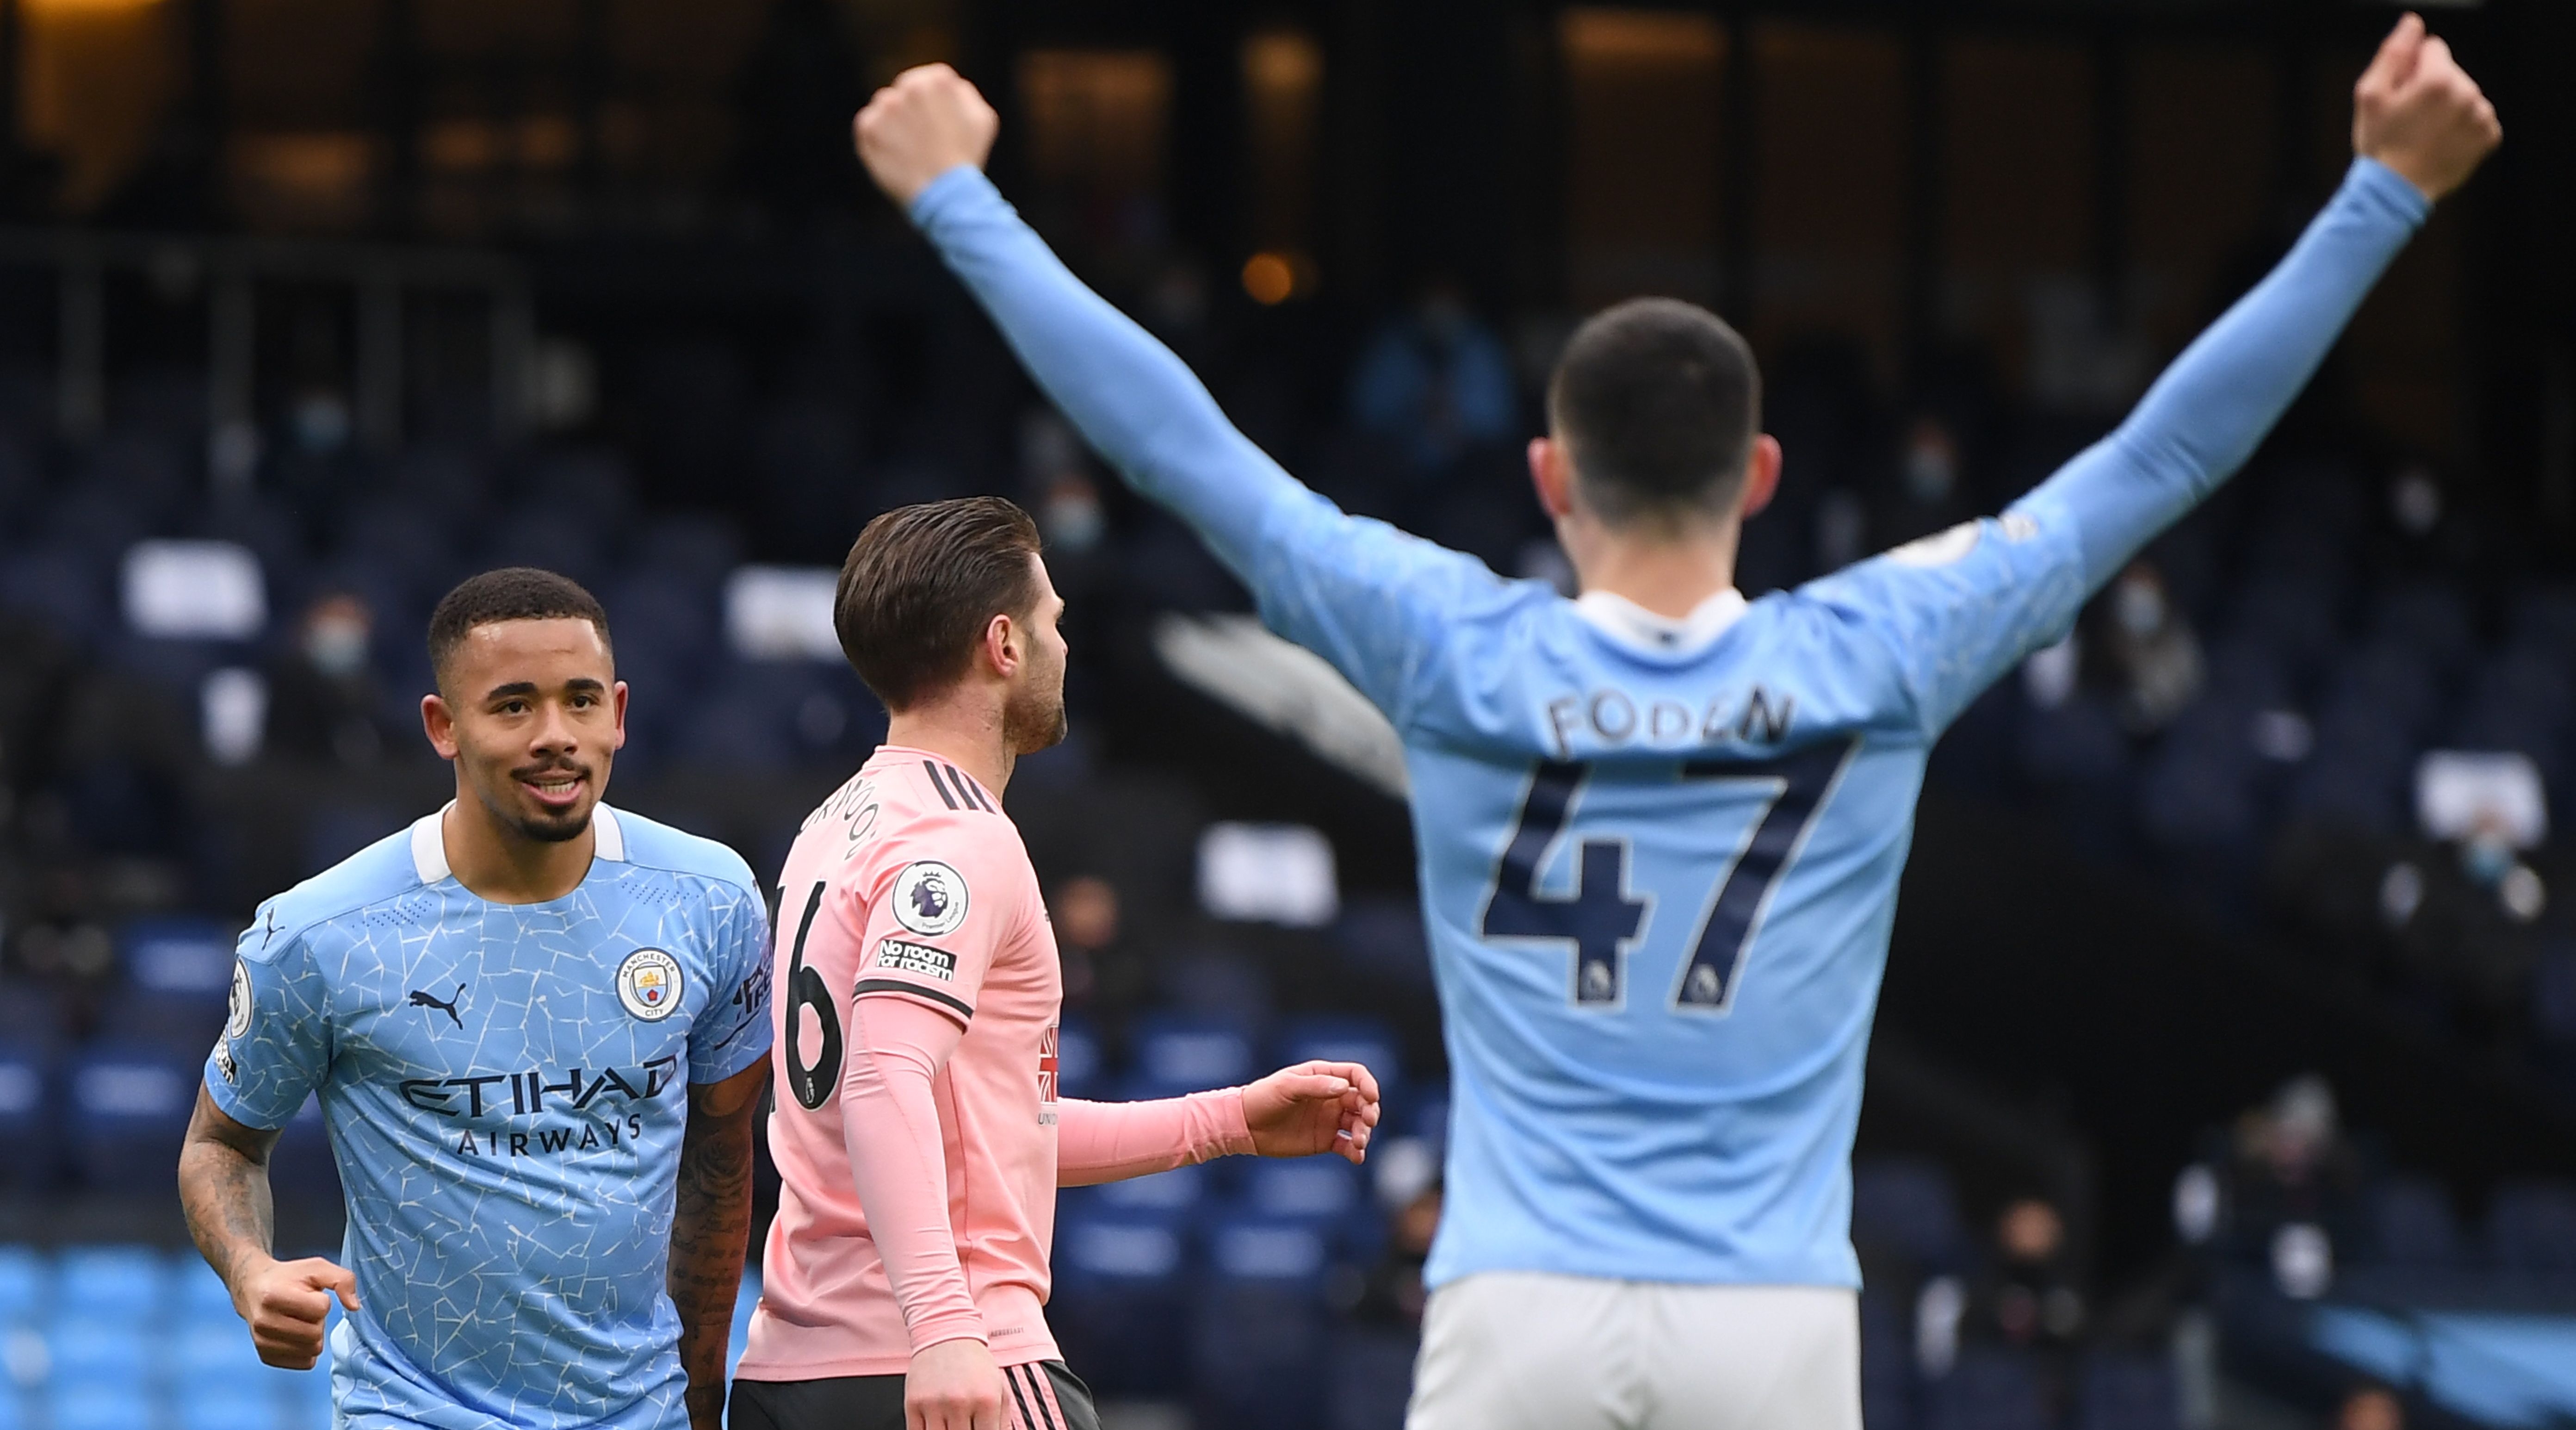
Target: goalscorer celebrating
point(1659, 940)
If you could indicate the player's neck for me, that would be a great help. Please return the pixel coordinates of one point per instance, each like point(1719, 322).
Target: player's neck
point(1668, 574)
point(960, 731)
point(498, 863)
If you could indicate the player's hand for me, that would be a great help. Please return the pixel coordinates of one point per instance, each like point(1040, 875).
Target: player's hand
point(929, 121)
point(1313, 1107)
point(953, 1385)
point(286, 1303)
point(2419, 113)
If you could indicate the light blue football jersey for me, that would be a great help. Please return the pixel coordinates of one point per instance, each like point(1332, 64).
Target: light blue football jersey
point(505, 1087)
point(1659, 867)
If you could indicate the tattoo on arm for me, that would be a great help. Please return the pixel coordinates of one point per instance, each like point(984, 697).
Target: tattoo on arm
point(223, 1187)
point(711, 1231)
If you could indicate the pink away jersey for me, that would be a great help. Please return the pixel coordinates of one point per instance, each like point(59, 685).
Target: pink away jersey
point(910, 885)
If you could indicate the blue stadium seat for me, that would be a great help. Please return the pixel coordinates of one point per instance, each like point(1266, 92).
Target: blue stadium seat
point(179, 957)
point(2200, 803)
point(1986, 1390)
point(207, 1353)
point(177, 668)
point(1366, 1041)
point(1309, 1190)
point(1382, 938)
point(128, 1107)
point(26, 1284)
point(100, 1347)
point(181, 976)
point(2393, 682)
point(62, 588)
point(1174, 1195)
point(27, 1113)
point(2429, 617)
point(1217, 984)
point(1886, 1363)
point(1906, 1206)
point(1260, 1326)
point(196, 1292)
point(101, 1405)
point(1080, 1063)
point(225, 1407)
point(2128, 1392)
point(1372, 1379)
point(131, 1282)
point(2415, 1226)
point(1121, 1305)
point(697, 549)
point(2531, 1227)
point(1176, 1053)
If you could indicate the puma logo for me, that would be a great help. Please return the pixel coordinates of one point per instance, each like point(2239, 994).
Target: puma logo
point(444, 1005)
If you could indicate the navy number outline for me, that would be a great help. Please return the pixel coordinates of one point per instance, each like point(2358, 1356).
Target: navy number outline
point(1602, 919)
point(814, 1082)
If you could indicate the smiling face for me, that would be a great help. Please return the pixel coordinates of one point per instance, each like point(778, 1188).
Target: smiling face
point(532, 713)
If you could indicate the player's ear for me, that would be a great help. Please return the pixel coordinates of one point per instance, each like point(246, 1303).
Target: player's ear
point(617, 707)
point(439, 723)
point(1002, 644)
point(1552, 476)
point(1761, 476)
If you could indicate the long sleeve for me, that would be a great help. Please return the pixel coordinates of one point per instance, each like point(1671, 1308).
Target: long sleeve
point(1112, 1141)
point(1956, 611)
point(891, 1123)
point(1366, 597)
point(2213, 406)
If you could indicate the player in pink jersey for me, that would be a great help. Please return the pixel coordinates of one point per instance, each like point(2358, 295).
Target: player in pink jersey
point(921, 1139)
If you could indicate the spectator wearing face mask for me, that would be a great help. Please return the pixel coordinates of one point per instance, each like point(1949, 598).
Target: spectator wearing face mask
point(2152, 650)
point(322, 693)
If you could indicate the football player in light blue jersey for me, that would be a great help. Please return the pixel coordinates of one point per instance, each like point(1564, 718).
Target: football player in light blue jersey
point(539, 1029)
point(1660, 827)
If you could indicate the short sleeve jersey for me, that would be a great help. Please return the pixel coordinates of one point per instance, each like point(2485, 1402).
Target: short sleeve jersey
point(909, 882)
point(505, 1087)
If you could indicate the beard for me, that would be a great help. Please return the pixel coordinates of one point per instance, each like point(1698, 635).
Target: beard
point(536, 822)
point(1034, 720)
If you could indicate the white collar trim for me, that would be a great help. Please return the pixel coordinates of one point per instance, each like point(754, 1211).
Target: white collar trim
point(429, 841)
point(1627, 622)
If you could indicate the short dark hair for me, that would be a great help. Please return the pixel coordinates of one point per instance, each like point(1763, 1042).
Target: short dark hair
point(920, 585)
point(513, 593)
point(1659, 402)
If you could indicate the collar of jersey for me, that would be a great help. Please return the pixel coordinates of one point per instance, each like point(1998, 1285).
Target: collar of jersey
point(1633, 625)
point(429, 847)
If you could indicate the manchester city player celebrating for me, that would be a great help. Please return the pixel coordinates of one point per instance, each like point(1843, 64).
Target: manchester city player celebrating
point(1660, 827)
point(539, 1028)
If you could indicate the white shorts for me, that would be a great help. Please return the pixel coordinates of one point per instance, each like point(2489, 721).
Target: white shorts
point(1518, 1350)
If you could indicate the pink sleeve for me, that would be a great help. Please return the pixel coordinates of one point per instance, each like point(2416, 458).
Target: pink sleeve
point(1111, 1141)
point(891, 1124)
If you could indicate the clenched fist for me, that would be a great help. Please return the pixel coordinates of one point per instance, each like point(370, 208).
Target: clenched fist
point(2419, 113)
point(286, 1303)
point(929, 121)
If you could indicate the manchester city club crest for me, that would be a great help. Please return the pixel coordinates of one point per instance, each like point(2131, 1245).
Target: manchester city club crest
point(648, 983)
point(929, 898)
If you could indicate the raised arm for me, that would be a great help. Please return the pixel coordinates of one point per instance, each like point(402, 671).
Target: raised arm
point(924, 139)
point(2420, 127)
point(1359, 593)
point(1958, 610)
